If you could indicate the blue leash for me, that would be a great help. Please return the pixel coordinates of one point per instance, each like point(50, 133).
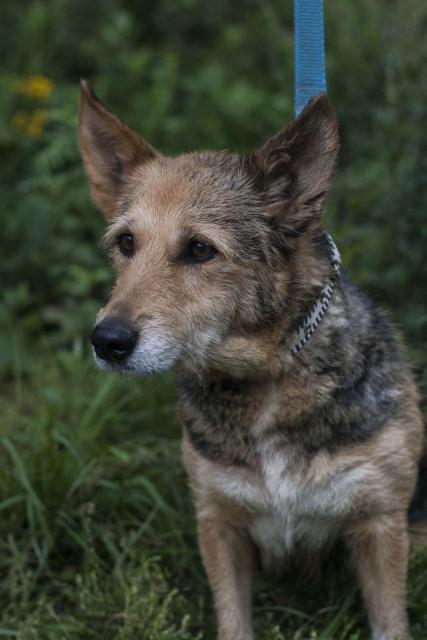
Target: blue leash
point(310, 80)
point(309, 46)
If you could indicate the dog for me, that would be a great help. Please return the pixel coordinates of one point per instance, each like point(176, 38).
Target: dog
point(301, 420)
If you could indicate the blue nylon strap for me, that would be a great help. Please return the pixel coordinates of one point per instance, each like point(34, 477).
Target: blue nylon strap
point(310, 73)
point(310, 80)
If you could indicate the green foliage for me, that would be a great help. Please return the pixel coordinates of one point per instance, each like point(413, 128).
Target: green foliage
point(96, 536)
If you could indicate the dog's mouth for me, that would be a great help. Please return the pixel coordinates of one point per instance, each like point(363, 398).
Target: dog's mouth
point(117, 346)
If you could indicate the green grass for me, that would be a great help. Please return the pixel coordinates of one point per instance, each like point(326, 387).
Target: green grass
point(97, 529)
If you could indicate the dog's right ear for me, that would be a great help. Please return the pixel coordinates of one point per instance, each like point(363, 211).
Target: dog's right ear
point(110, 151)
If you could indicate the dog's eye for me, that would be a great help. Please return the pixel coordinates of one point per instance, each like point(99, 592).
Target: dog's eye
point(126, 244)
point(199, 251)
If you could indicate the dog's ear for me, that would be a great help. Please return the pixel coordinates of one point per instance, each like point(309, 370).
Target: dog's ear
point(294, 167)
point(110, 150)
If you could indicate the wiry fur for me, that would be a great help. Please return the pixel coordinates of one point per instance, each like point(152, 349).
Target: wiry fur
point(283, 453)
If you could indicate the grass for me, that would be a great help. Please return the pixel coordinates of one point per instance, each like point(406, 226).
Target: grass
point(97, 529)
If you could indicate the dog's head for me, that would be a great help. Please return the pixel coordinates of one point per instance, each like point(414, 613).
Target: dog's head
point(208, 247)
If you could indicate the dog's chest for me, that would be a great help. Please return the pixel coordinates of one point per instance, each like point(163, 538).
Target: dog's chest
point(294, 495)
point(288, 507)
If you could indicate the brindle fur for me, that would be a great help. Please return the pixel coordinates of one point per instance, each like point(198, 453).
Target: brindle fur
point(283, 453)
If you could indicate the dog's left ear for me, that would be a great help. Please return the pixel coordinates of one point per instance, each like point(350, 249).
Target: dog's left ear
point(110, 151)
point(294, 168)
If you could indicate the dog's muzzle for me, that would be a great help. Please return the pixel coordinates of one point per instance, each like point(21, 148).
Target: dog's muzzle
point(113, 340)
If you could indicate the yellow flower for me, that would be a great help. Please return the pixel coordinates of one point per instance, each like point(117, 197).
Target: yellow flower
point(36, 124)
point(30, 123)
point(37, 87)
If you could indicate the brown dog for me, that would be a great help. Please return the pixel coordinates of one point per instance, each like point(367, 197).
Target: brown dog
point(300, 414)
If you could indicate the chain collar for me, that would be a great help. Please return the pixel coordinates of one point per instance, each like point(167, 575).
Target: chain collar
point(312, 319)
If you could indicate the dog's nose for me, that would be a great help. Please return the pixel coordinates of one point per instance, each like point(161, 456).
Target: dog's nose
point(113, 340)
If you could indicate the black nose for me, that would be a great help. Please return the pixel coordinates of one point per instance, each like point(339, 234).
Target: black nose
point(113, 340)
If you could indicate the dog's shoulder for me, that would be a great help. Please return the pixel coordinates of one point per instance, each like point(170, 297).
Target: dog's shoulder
point(350, 382)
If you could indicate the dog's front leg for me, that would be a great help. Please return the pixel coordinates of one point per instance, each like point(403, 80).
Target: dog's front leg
point(227, 555)
point(380, 550)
